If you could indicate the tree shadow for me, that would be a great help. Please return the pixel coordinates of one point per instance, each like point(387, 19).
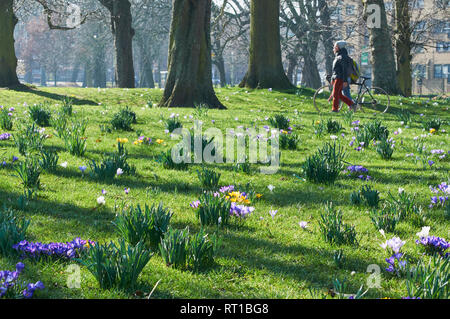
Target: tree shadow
point(52, 96)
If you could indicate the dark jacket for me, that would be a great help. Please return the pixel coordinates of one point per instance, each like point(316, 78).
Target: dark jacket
point(340, 64)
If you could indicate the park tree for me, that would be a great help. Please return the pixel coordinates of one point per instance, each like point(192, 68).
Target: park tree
point(383, 58)
point(189, 79)
point(123, 32)
point(8, 60)
point(265, 68)
point(229, 24)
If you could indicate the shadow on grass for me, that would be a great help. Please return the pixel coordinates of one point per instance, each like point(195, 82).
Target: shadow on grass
point(52, 96)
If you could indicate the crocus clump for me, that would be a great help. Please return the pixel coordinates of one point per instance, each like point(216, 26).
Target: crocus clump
point(5, 136)
point(67, 250)
point(395, 263)
point(358, 171)
point(442, 191)
point(433, 245)
point(10, 287)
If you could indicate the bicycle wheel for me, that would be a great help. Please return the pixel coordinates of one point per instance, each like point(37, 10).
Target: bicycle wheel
point(320, 99)
point(376, 99)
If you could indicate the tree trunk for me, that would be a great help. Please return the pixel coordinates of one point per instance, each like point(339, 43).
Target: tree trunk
point(146, 74)
point(220, 64)
point(310, 75)
point(327, 36)
point(382, 60)
point(123, 33)
point(75, 71)
point(8, 60)
point(292, 64)
point(265, 69)
point(403, 47)
point(189, 75)
point(99, 68)
point(43, 77)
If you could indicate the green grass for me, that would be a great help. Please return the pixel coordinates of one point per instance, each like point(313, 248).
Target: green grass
point(260, 257)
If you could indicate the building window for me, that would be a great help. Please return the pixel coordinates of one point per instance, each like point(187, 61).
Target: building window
point(418, 4)
point(442, 71)
point(350, 10)
point(443, 47)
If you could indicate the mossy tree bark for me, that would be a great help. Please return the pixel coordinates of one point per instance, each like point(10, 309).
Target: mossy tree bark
point(403, 46)
point(383, 59)
point(189, 78)
point(265, 69)
point(123, 33)
point(8, 60)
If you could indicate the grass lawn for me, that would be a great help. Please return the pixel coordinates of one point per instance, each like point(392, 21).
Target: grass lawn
point(259, 257)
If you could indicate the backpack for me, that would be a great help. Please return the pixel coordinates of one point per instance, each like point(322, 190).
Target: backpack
point(353, 70)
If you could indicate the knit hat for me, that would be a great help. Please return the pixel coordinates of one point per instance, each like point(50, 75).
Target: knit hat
point(341, 44)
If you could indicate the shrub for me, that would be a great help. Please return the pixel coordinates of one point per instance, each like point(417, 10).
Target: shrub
point(29, 172)
point(338, 258)
point(107, 169)
point(213, 210)
point(403, 115)
point(386, 148)
point(429, 280)
point(123, 119)
point(376, 130)
point(288, 141)
point(148, 226)
point(12, 230)
point(74, 138)
point(166, 159)
point(279, 121)
point(174, 248)
point(355, 198)
point(59, 123)
point(116, 266)
point(49, 160)
point(333, 228)
point(172, 124)
point(201, 251)
point(432, 123)
point(404, 204)
point(325, 165)
point(201, 110)
point(6, 121)
point(40, 114)
point(29, 139)
point(333, 126)
point(319, 127)
point(385, 219)
point(208, 178)
point(363, 136)
point(67, 106)
point(244, 167)
point(371, 196)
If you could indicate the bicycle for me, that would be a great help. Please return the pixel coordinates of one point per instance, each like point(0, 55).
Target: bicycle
point(373, 97)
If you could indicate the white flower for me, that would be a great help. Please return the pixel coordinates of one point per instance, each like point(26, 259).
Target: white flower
point(303, 224)
point(424, 232)
point(64, 164)
point(333, 137)
point(394, 243)
point(119, 172)
point(382, 233)
point(101, 200)
point(401, 190)
point(271, 187)
point(219, 220)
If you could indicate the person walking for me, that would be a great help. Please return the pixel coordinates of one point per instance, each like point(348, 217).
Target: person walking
point(340, 78)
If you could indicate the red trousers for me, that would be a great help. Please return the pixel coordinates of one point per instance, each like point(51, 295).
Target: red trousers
point(337, 95)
